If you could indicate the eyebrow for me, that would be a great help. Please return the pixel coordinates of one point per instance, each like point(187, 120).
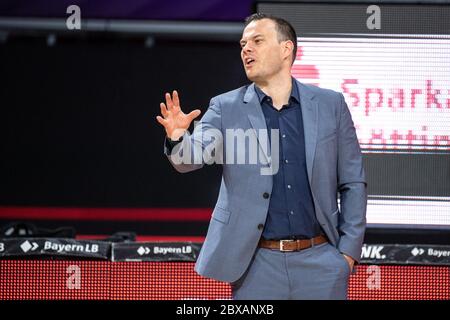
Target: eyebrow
point(254, 37)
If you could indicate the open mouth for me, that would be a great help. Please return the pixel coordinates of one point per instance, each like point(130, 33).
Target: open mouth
point(249, 62)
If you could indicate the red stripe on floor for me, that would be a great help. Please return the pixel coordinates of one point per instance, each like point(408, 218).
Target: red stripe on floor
point(130, 214)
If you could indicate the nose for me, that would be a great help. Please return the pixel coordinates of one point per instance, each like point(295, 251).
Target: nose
point(247, 48)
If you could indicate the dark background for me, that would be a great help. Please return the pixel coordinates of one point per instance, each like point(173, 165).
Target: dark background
point(194, 10)
point(78, 127)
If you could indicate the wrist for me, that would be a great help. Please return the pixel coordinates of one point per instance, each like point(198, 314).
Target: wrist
point(177, 135)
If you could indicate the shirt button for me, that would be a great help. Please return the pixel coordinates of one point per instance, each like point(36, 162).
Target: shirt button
point(260, 226)
point(292, 212)
point(284, 136)
point(286, 161)
point(265, 195)
point(289, 186)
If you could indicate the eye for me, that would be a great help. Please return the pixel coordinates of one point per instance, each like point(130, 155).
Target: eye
point(258, 41)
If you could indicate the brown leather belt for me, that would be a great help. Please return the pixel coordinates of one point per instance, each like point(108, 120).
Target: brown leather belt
point(292, 245)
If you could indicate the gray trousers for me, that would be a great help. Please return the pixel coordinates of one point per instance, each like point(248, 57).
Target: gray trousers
point(320, 272)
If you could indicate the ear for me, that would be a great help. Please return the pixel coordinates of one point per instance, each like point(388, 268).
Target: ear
point(288, 48)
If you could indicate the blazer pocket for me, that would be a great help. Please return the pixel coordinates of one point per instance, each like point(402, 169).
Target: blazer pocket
point(221, 215)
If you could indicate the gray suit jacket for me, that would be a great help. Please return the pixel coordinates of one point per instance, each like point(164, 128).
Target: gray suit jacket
point(334, 166)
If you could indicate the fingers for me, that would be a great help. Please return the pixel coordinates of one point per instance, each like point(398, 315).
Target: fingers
point(162, 121)
point(164, 111)
point(172, 102)
point(194, 114)
point(169, 101)
point(176, 99)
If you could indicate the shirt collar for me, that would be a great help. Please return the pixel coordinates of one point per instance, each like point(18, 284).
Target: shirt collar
point(294, 93)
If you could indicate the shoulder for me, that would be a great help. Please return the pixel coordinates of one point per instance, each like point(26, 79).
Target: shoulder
point(327, 99)
point(230, 96)
point(318, 92)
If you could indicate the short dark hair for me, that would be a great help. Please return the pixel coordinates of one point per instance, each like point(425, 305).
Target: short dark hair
point(285, 29)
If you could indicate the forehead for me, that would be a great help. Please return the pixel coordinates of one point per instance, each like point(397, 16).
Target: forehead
point(264, 27)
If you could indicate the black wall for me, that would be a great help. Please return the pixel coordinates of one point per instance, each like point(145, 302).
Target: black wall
point(77, 120)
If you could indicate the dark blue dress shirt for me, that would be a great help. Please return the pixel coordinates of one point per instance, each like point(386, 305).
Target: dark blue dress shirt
point(291, 212)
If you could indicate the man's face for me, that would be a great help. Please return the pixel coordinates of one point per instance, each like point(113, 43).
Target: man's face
point(262, 54)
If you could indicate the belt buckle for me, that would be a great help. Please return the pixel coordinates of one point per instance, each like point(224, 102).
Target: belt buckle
point(282, 242)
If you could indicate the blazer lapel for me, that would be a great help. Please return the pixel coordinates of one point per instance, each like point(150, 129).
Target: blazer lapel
point(310, 124)
point(309, 115)
point(257, 120)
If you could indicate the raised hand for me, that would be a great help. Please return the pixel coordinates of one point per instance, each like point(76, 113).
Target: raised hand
point(175, 121)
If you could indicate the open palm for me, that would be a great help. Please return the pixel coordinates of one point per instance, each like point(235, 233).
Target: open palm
point(173, 119)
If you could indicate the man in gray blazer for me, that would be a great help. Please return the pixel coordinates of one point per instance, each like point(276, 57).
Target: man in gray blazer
point(288, 152)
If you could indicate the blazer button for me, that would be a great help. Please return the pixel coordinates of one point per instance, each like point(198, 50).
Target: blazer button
point(260, 226)
point(265, 195)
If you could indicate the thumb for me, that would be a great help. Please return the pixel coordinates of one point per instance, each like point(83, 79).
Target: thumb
point(194, 114)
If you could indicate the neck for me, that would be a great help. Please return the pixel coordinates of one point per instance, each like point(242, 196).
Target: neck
point(278, 88)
